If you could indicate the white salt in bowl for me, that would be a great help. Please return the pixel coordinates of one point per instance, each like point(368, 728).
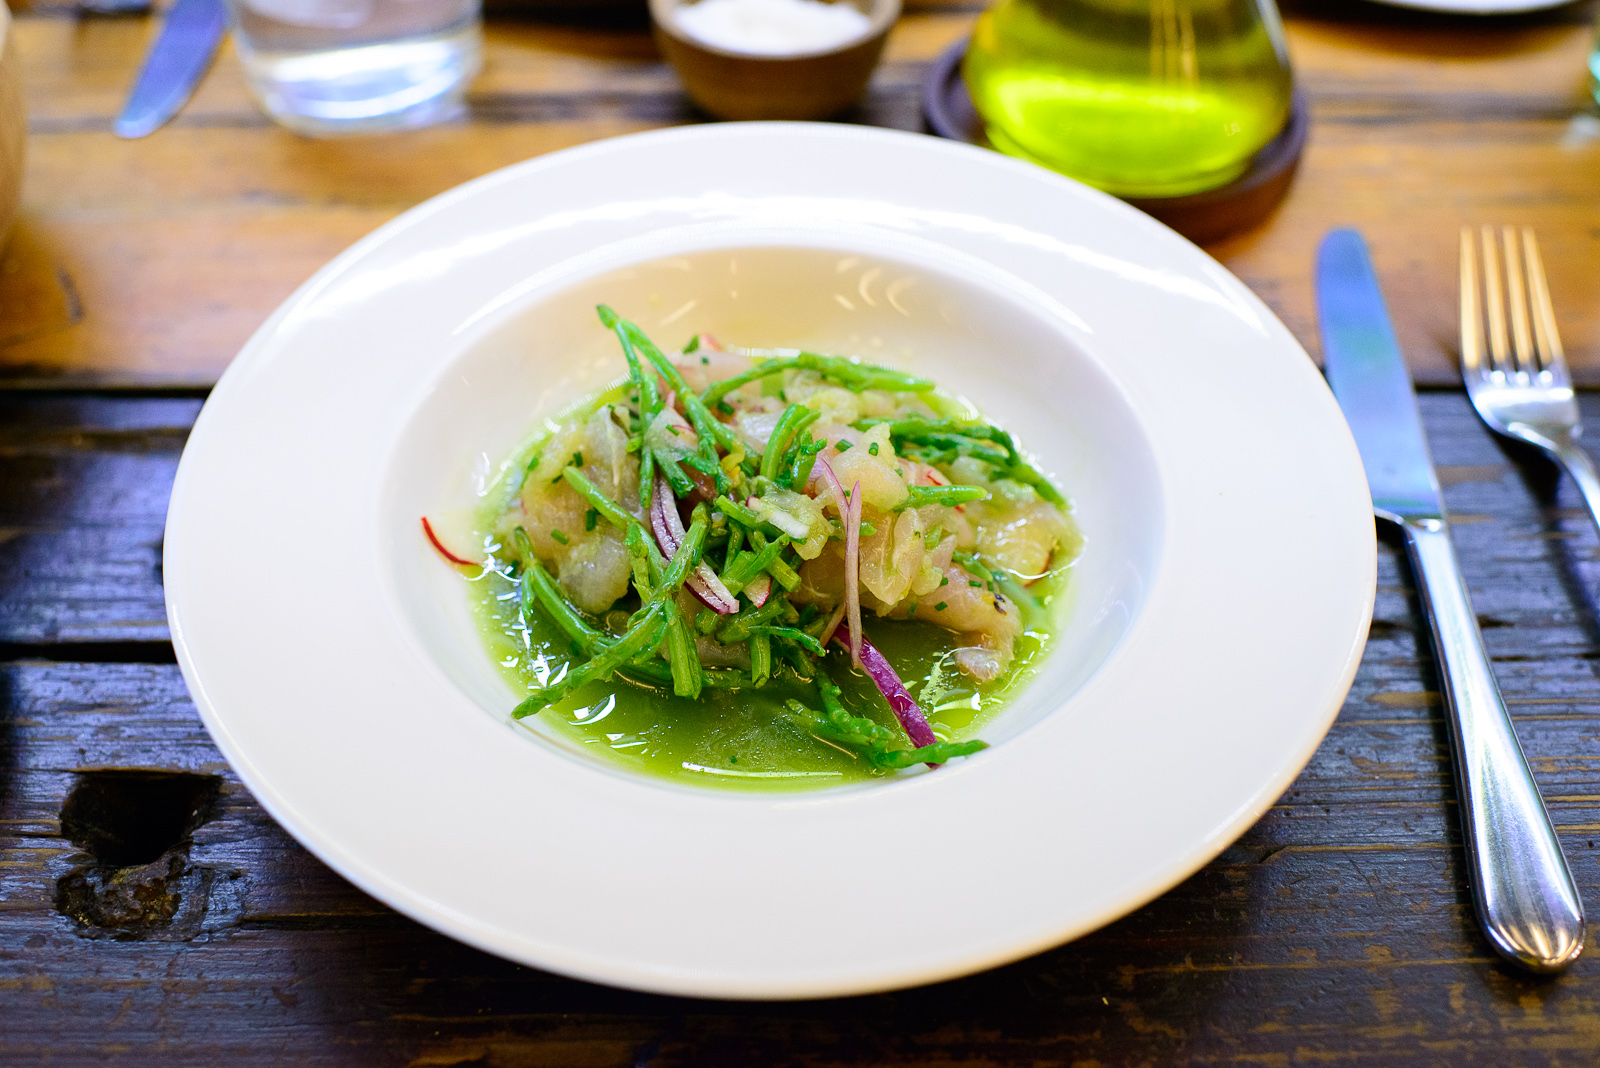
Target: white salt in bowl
point(815, 84)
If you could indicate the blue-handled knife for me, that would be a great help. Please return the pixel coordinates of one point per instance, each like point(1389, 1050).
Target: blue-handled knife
point(174, 65)
point(1526, 900)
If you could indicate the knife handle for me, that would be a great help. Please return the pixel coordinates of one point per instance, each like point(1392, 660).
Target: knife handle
point(1525, 896)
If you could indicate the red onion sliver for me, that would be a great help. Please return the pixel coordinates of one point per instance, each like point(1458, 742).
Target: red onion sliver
point(667, 525)
point(883, 676)
point(824, 471)
point(665, 522)
point(852, 572)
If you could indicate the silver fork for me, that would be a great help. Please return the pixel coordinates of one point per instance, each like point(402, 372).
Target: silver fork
point(1519, 381)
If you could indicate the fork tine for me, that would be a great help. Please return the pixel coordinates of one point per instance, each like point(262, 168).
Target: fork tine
point(1471, 312)
point(1544, 315)
point(1495, 303)
point(1517, 291)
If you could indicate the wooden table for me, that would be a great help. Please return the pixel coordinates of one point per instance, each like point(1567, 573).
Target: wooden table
point(151, 912)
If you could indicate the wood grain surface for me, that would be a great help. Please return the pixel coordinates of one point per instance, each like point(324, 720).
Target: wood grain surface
point(152, 913)
point(1338, 930)
point(148, 263)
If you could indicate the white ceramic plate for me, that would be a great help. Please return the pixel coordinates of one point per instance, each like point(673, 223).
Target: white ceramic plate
point(1221, 606)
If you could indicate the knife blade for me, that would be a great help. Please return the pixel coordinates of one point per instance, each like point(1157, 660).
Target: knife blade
point(174, 65)
point(1368, 376)
point(1522, 888)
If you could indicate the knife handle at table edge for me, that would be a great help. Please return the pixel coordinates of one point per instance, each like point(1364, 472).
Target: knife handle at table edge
point(1527, 902)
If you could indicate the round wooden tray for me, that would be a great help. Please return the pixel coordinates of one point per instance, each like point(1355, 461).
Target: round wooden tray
point(1206, 216)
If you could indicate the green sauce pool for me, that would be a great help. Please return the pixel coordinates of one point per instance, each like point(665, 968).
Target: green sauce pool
point(744, 739)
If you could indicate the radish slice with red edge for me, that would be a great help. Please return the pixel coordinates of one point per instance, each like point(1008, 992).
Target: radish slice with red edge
point(883, 676)
point(667, 525)
point(759, 590)
point(427, 528)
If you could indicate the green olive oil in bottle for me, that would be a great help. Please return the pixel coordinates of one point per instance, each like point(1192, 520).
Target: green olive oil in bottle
point(1141, 98)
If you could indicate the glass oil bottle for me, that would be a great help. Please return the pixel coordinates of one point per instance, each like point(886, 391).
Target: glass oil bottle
point(1141, 98)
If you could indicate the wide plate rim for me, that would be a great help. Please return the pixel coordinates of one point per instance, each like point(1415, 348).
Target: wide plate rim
point(463, 926)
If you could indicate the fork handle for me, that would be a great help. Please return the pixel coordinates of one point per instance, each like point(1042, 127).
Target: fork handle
point(1576, 459)
point(1524, 892)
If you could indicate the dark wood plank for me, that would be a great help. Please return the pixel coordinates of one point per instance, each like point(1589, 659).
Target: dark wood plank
point(83, 499)
point(1336, 930)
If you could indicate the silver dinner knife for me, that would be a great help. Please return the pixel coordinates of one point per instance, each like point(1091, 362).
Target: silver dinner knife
point(1525, 896)
point(173, 66)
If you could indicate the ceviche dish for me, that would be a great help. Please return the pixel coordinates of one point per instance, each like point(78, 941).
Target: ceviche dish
point(767, 568)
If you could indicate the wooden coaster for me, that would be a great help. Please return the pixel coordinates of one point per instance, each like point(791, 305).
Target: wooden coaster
point(1206, 216)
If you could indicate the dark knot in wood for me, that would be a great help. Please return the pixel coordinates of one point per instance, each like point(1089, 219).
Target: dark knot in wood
point(137, 825)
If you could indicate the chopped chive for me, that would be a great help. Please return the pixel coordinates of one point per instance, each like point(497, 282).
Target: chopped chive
point(941, 606)
point(577, 459)
point(590, 518)
point(841, 446)
point(559, 536)
point(873, 448)
point(947, 495)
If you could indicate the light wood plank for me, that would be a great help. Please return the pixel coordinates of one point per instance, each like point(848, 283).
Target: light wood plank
point(150, 262)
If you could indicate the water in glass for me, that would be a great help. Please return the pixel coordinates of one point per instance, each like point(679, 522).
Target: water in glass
point(353, 66)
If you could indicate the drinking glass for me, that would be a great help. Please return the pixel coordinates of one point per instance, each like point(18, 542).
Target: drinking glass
point(356, 66)
point(1594, 63)
point(1142, 98)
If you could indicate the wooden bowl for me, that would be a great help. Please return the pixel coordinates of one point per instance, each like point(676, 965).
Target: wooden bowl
point(13, 124)
point(742, 85)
